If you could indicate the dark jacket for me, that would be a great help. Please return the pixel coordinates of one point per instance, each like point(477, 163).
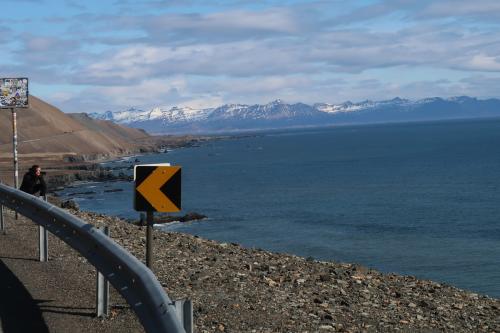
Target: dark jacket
point(32, 184)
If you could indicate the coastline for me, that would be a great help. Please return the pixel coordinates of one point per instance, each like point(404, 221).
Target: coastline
point(65, 168)
point(237, 289)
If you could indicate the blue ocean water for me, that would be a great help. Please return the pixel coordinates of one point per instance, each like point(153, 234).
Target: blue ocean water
point(421, 199)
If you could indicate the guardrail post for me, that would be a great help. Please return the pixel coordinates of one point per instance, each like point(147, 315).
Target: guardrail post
point(184, 311)
point(102, 293)
point(2, 226)
point(43, 241)
point(2, 223)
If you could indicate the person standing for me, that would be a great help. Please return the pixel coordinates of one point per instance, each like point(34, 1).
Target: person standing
point(33, 181)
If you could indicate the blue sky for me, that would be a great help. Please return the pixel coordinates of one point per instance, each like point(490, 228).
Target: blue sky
point(93, 56)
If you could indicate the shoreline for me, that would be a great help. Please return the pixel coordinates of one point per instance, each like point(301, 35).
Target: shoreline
point(238, 289)
point(67, 167)
point(449, 276)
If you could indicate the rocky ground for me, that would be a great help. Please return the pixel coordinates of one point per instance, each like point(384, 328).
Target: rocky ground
point(235, 289)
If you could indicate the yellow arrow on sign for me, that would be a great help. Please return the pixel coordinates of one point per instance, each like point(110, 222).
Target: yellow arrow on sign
point(150, 189)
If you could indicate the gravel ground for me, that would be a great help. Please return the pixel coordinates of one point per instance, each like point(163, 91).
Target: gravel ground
point(235, 289)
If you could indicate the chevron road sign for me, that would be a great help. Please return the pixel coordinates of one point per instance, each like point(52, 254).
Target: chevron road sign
point(157, 188)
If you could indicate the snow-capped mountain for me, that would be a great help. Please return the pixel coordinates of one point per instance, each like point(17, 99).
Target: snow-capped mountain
point(132, 115)
point(350, 106)
point(271, 111)
point(278, 114)
point(122, 117)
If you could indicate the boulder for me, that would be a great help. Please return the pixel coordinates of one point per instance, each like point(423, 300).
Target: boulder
point(70, 204)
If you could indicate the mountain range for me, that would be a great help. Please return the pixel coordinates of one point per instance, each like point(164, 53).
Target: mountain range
point(278, 114)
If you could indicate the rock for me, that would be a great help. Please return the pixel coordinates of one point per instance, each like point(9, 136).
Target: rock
point(192, 216)
point(80, 193)
point(327, 327)
point(324, 277)
point(70, 204)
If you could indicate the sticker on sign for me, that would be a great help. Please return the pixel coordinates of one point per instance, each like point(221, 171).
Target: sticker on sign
point(14, 93)
point(149, 165)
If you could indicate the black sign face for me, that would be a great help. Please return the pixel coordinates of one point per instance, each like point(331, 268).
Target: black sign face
point(157, 188)
point(13, 93)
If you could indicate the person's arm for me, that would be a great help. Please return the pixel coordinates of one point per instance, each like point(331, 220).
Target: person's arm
point(43, 186)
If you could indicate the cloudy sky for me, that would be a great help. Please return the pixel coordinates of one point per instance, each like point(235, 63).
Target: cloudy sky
point(85, 56)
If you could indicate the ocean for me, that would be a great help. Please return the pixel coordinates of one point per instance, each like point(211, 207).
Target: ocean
point(418, 199)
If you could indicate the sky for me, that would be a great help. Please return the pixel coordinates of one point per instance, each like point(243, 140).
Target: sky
point(94, 56)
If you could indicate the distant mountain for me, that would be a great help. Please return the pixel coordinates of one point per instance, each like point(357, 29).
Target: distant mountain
point(277, 114)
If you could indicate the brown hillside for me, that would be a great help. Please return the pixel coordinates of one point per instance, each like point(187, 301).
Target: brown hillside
point(48, 136)
point(54, 139)
point(43, 128)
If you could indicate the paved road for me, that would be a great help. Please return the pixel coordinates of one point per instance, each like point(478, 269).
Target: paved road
point(55, 296)
point(18, 310)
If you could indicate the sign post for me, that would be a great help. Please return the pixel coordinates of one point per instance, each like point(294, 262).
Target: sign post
point(149, 239)
point(157, 189)
point(14, 147)
point(14, 94)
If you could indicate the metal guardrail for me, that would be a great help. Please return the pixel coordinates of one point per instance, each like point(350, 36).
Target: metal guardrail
point(129, 276)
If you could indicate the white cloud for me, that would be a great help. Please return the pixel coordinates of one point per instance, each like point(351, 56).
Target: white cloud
point(231, 22)
point(485, 9)
point(150, 92)
point(483, 62)
point(145, 93)
point(247, 58)
point(310, 51)
point(38, 51)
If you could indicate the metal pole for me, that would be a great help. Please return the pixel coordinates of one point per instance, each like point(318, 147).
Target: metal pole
point(184, 311)
point(14, 147)
point(43, 241)
point(102, 294)
point(149, 240)
point(2, 226)
point(43, 244)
